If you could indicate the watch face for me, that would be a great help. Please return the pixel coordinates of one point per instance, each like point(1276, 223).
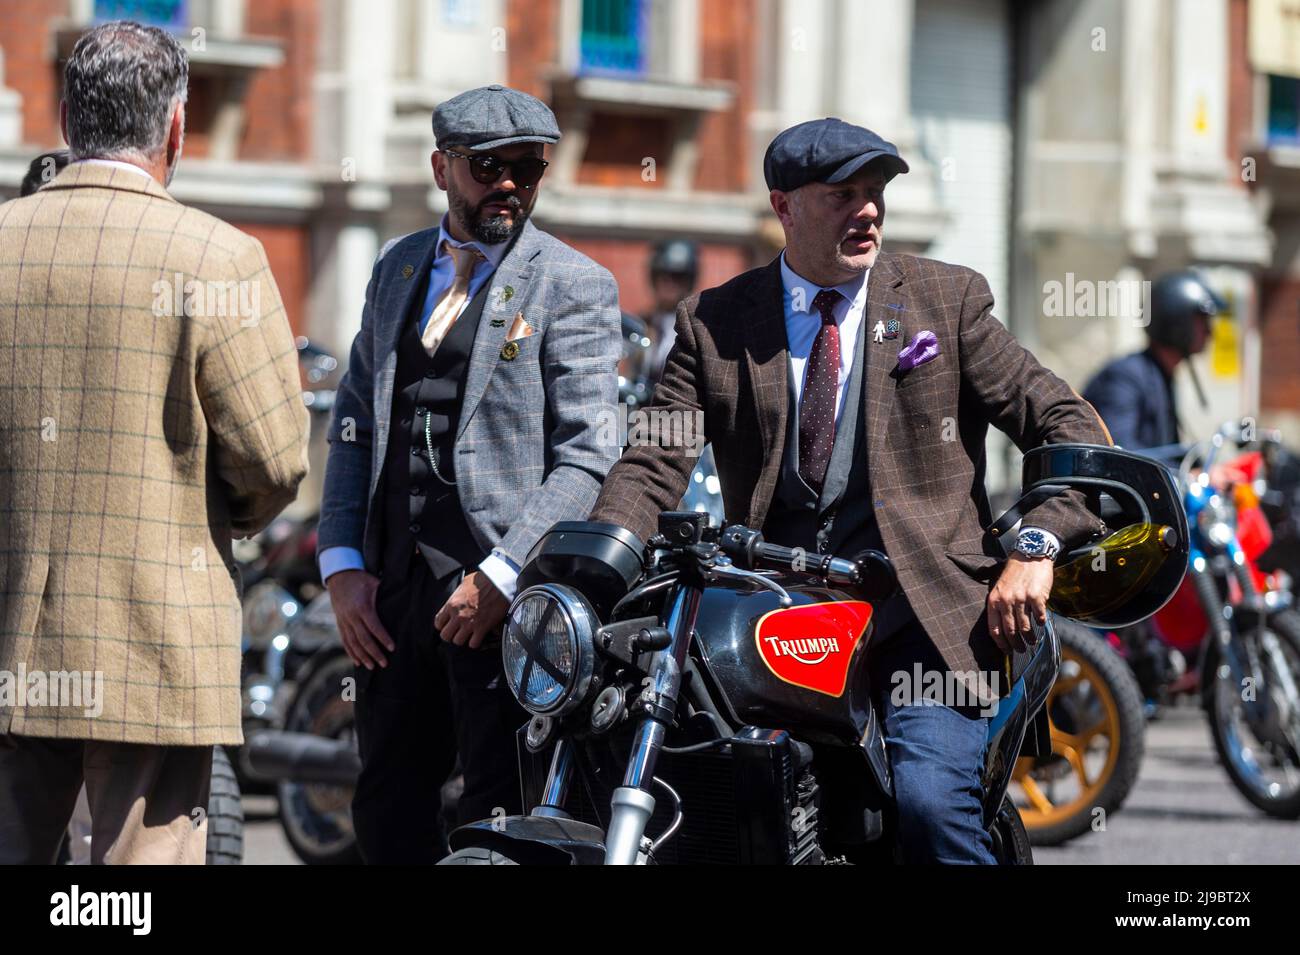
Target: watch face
point(1031, 542)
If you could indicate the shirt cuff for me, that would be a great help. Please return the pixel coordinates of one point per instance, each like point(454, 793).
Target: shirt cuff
point(335, 559)
point(501, 570)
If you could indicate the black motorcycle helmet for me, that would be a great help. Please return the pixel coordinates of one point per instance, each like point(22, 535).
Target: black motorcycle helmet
point(1130, 571)
point(675, 257)
point(1177, 299)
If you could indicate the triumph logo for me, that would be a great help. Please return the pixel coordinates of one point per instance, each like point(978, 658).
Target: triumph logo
point(809, 652)
point(813, 646)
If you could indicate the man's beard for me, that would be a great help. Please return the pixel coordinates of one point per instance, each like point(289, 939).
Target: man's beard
point(493, 230)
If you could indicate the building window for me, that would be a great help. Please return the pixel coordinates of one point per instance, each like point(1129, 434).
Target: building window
point(613, 36)
point(1283, 111)
point(460, 13)
point(169, 14)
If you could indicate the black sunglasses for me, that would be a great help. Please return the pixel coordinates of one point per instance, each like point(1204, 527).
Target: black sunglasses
point(525, 172)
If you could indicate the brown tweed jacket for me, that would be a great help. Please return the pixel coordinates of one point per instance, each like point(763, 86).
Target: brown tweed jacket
point(925, 430)
point(134, 438)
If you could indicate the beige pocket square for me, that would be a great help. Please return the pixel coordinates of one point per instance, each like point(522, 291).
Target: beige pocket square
point(520, 329)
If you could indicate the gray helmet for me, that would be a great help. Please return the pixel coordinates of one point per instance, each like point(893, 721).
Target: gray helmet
point(1177, 299)
point(675, 257)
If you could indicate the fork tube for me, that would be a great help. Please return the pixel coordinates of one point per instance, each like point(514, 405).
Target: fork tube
point(557, 781)
point(667, 679)
point(632, 804)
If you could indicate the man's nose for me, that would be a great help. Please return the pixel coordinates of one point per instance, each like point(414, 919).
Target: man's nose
point(868, 212)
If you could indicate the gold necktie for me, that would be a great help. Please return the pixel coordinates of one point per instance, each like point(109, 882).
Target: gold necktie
point(453, 300)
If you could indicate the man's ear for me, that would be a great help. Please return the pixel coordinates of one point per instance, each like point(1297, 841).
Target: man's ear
point(438, 160)
point(781, 206)
point(175, 133)
point(63, 120)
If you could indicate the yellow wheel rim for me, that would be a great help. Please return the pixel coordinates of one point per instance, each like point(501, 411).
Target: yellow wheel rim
point(1069, 782)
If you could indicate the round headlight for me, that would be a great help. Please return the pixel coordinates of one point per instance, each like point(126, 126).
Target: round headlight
point(268, 610)
point(1217, 520)
point(548, 648)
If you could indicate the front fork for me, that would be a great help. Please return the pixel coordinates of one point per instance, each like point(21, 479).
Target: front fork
point(1238, 655)
point(633, 803)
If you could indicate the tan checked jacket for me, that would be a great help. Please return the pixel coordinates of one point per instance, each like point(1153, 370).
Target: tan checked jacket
point(134, 438)
point(925, 430)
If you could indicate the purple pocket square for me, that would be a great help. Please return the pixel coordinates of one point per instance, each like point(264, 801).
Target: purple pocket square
point(924, 347)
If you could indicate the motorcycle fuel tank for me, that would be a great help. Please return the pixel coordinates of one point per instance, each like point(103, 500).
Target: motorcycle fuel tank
point(801, 667)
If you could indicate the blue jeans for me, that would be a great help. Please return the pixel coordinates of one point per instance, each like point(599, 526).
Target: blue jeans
point(936, 755)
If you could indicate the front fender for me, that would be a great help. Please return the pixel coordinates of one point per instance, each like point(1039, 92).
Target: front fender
point(534, 840)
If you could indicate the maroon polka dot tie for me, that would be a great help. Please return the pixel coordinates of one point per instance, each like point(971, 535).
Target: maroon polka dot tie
point(817, 403)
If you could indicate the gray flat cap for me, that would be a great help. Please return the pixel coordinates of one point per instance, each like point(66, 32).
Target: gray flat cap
point(493, 116)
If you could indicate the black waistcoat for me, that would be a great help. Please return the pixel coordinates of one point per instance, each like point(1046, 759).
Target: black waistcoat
point(422, 512)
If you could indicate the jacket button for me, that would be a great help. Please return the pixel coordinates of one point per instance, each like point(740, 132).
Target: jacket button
point(415, 490)
point(415, 451)
point(406, 422)
point(415, 528)
point(430, 374)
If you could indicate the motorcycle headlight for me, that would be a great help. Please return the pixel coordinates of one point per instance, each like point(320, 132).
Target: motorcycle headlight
point(268, 610)
point(548, 649)
point(1217, 521)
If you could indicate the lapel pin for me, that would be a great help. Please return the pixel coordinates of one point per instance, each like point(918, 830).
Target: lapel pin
point(498, 323)
point(892, 328)
point(408, 271)
point(509, 350)
point(507, 293)
point(878, 332)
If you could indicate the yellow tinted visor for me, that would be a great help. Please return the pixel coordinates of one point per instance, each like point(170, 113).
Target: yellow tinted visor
point(1111, 573)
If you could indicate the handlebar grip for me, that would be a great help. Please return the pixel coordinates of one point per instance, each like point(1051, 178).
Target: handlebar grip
point(748, 550)
point(776, 557)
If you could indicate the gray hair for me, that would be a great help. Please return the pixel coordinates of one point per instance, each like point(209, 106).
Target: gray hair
point(121, 84)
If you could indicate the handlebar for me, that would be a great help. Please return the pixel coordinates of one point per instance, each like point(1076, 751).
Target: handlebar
point(870, 571)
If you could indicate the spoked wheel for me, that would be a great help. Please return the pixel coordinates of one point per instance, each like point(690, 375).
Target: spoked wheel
point(1256, 728)
point(1098, 737)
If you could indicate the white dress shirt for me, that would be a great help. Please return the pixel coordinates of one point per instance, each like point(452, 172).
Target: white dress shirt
point(498, 568)
point(802, 325)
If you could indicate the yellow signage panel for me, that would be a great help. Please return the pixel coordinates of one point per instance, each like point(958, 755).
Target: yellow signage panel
point(1225, 345)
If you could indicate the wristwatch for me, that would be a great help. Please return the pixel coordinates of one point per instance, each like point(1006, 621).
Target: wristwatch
point(1036, 542)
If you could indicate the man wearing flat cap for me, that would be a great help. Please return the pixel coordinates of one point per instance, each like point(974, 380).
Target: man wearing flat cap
point(847, 393)
point(467, 424)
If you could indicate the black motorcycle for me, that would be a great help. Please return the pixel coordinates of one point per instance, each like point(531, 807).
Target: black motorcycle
point(668, 690)
point(704, 699)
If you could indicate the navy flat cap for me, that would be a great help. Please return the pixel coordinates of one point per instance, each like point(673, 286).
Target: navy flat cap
point(825, 150)
point(493, 116)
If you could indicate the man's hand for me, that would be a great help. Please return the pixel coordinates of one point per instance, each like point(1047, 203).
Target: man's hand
point(352, 595)
point(1020, 592)
point(472, 612)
